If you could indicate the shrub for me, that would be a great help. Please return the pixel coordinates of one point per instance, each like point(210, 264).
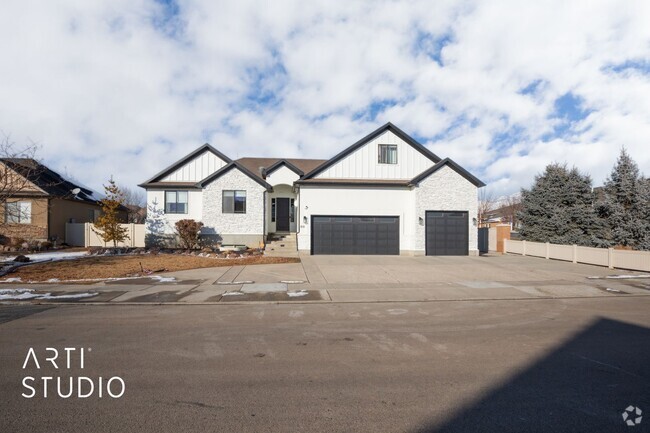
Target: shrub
point(188, 231)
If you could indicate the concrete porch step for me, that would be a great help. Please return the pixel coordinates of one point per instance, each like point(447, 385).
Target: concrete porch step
point(281, 246)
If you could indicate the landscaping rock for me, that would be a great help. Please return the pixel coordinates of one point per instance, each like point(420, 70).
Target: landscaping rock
point(22, 259)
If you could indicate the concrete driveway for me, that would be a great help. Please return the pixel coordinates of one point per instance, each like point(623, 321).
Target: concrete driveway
point(372, 279)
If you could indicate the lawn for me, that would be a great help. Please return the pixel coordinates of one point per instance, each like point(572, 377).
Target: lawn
point(101, 267)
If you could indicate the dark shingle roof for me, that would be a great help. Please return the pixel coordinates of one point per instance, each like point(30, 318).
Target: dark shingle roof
point(254, 165)
point(50, 181)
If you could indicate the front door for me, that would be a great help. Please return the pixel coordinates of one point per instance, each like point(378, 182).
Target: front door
point(282, 215)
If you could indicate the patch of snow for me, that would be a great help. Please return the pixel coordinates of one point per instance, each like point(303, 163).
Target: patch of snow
point(23, 294)
point(233, 293)
point(234, 282)
point(620, 277)
point(292, 281)
point(53, 280)
point(53, 255)
point(12, 280)
point(296, 294)
point(70, 296)
point(613, 290)
point(162, 279)
point(17, 294)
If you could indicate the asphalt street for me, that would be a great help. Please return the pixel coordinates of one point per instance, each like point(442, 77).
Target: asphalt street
point(519, 365)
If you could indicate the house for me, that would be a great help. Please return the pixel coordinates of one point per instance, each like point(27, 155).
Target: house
point(385, 194)
point(36, 202)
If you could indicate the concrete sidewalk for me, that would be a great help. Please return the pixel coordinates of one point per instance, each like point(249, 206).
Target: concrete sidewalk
point(363, 279)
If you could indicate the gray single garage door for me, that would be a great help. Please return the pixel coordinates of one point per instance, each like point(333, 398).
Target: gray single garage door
point(447, 233)
point(355, 235)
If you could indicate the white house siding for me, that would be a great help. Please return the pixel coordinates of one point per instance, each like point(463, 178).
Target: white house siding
point(234, 228)
point(282, 175)
point(363, 162)
point(196, 169)
point(446, 190)
point(357, 201)
point(156, 200)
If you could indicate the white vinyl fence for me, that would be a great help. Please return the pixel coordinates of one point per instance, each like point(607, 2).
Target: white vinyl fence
point(622, 259)
point(83, 235)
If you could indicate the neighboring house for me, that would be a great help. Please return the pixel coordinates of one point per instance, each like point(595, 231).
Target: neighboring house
point(385, 194)
point(37, 202)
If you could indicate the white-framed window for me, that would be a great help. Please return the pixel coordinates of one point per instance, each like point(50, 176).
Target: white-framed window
point(234, 201)
point(387, 154)
point(18, 212)
point(176, 202)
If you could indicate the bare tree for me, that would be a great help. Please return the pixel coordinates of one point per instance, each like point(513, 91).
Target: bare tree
point(486, 204)
point(510, 209)
point(18, 169)
point(135, 200)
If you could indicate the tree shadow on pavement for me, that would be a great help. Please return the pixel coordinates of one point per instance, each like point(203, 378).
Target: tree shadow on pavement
point(584, 385)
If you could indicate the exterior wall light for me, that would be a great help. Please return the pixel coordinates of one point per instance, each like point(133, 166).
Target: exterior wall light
point(421, 221)
point(304, 220)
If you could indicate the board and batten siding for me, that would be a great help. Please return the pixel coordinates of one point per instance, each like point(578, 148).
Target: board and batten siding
point(196, 169)
point(363, 162)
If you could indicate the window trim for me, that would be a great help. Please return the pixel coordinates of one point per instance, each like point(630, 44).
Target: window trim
point(19, 213)
point(273, 209)
point(379, 153)
point(234, 197)
point(187, 203)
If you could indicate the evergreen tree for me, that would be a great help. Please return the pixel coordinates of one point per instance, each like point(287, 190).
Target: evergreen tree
point(624, 207)
point(108, 225)
point(559, 208)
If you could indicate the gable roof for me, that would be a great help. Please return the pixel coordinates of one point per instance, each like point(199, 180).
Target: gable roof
point(184, 160)
point(264, 166)
point(225, 169)
point(451, 164)
point(374, 134)
point(49, 181)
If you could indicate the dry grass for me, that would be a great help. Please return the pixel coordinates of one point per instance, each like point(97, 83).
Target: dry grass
point(123, 266)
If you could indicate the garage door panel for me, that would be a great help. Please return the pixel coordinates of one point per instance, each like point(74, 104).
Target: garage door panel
point(355, 235)
point(447, 233)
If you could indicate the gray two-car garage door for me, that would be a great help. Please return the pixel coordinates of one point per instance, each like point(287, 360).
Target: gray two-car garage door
point(355, 235)
point(447, 233)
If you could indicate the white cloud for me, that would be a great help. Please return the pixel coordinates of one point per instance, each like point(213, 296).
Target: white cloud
point(123, 88)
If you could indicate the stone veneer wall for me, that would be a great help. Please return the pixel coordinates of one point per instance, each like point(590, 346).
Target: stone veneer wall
point(446, 190)
point(245, 228)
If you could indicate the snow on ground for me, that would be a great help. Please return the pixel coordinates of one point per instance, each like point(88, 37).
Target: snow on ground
point(156, 278)
point(620, 277)
point(296, 294)
point(233, 293)
point(162, 279)
point(12, 280)
point(53, 255)
point(23, 294)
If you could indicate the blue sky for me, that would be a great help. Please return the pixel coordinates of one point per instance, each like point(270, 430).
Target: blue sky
point(126, 87)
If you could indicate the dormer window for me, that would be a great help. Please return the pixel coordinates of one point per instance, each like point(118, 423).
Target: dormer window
point(388, 154)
